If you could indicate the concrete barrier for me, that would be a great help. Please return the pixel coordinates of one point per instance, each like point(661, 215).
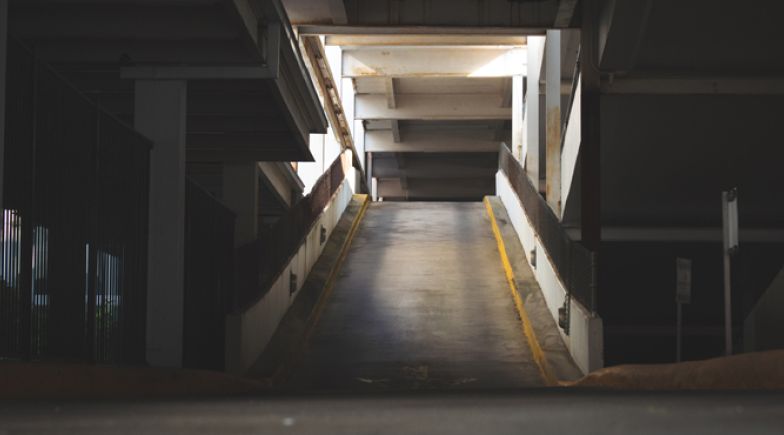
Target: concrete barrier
point(247, 334)
point(585, 340)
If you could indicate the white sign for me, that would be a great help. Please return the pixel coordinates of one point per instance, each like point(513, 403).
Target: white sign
point(729, 202)
point(683, 274)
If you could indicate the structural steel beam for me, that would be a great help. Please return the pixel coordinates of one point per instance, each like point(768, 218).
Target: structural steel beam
point(348, 41)
point(693, 86)
point(432, 107)
point(434, 62)
point(317, 30)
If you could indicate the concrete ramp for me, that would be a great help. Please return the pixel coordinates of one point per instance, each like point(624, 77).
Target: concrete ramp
point(421, 303)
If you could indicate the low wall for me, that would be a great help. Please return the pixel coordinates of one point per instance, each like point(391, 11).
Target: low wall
point(247, 334)
point(585, 340)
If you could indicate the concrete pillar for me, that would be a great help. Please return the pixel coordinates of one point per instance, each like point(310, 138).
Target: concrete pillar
point(552, 60)
point(160, 115)
point(518, 147)
point(532, 140)
point(590, 134)
point(241, 195)
point(3, 62)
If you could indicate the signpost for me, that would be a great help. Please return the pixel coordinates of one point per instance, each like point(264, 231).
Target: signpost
point(682, 296)
point(729, 207)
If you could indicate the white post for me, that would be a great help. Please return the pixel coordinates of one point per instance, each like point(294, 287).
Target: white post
point(241, 195)
point(3, 63)
point(729, 208)
point(518, 147)
point(553, 120)
point(532, 140)
point(160, 114)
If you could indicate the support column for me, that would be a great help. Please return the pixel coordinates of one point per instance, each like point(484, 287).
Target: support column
point(532, 140)
point(590, 110)
point(553, 122)
point(160, 113)
point(3, 63)
point(518, 146)
point(241, 195)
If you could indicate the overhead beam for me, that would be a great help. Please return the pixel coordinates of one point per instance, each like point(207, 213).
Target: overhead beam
point(348, 41)
point(430, 142)
point(689, 86)
point(389, 88)
point(317, 30)
point(434, 62)
point(395, 131)
point(432, 107)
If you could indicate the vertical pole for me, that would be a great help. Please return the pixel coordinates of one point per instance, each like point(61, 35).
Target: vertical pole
point(727, 247)
point(160, 114)
point(552, 60)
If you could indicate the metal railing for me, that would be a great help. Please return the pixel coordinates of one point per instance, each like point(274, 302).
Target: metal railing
point(574, 264)
point(209, 278)
point(261, 262)
point(73, 263)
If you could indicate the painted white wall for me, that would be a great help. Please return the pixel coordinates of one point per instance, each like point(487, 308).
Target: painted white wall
point(571, 146)
point(532, 140)
point(585, 341)
point(247, 334)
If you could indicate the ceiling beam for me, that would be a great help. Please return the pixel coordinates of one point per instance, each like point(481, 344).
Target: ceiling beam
point(348, 41)
point(431, 142)
point(395, 132)
point(389, 89)
point(317, 30)
point(432, 107)
point(434, 62)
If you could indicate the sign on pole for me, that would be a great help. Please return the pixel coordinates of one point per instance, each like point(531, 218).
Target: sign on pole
point(729, 207)
point(683, 290)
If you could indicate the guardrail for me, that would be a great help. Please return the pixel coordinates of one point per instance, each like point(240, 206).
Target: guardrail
point(262, 261)
point(574, 264)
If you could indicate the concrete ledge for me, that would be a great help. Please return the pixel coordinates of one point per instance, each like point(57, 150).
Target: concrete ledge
point(559, 364)
point(286, 344)
point(585, 342)
point(248, 333)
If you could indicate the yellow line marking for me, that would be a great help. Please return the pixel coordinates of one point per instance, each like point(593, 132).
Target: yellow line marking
point(283, 369)
point(528, 330)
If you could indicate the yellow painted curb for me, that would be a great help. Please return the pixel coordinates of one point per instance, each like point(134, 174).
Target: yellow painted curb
point(533, 342)
point(283, 370)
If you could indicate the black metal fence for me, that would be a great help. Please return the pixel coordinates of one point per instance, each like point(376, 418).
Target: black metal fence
point(261, 262)
point(73, 262)
point(574, 264)
point(209, 278)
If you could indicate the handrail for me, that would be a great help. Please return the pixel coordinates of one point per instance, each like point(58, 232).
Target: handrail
point(573, 263)
point(262, 261)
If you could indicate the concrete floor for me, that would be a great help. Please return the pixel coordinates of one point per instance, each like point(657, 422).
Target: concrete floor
point(541, 411)
point(421, 303)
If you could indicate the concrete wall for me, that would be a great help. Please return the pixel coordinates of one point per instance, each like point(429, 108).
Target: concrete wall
point(571, 148)
point(585, 341)
point(247, 334)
